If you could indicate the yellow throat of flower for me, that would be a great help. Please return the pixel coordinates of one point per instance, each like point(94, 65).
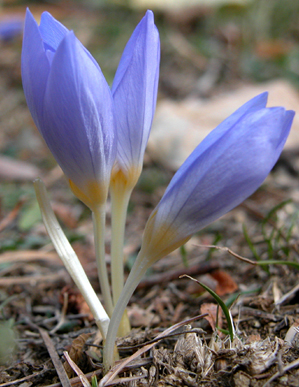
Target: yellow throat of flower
point(126, 180)
point(94, 196)
point(160, 240)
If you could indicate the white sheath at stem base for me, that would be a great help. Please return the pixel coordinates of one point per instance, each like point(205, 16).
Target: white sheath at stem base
point(99, 216)
point(120, 195)
point(137, 272)
point(70, 259)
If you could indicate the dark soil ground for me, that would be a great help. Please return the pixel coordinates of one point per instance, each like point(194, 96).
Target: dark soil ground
point(42, 313)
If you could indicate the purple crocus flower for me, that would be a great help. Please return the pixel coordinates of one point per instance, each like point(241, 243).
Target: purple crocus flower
point(10, 28)
point(71, 105)
point(134, 93)
point(225, 168)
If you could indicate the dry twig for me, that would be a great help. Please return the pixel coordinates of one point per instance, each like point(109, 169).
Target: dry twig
point(165, 277)
point(55, 359)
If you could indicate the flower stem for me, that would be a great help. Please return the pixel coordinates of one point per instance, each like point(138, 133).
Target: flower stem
point(69, 258)
point(140, 266)
point(99, 216)
point(120, 196)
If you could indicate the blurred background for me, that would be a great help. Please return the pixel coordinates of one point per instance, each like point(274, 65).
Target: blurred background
point(216, 55)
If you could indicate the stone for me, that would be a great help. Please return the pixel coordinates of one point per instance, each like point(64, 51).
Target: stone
point(179, 126)
point(170, 5)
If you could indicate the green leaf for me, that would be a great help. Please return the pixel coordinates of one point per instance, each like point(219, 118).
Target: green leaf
point(94, 382)
point(29, 216)
point(184, 255)
point(276, 262)
point(225, 309)
point(250, 243)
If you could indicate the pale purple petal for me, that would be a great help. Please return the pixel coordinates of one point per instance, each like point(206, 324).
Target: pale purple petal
point(134, 92)
point(35, 68)
point(77, 119)
point(251, 106)
point(52, 31)
point(226, 168)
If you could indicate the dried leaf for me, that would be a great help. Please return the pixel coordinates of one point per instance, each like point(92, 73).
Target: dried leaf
point(141, 317)
point(211, 309)
point(273, 49)
point(225, 283)
point(76, 353)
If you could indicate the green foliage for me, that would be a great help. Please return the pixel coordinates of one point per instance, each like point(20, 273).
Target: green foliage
point(233, 297)
point(184, 255)
point(273, 235)
point(217, 238)
point(227, 314)
point(276, 242)
point(151, 179)
point(94, 382)
point(22, 242)
point(11, 193)
point(250, 243)
point(30, 215)
point(8, 343)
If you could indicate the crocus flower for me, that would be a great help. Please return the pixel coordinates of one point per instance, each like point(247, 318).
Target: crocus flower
point(134, 93)
point(226, 168)
point(71, 105)
point(10, 28)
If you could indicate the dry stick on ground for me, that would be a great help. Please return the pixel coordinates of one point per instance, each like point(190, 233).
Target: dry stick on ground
point(34, 279)
point(130, 347)
point(25, 379)
point(201, 268)
point(75, 382)
point(260, 314)
point(84, 380)
point(288, 295)
point(223, 248)
point(55, 359)
point(29, 256)
point(290, 366)
point(62, 318)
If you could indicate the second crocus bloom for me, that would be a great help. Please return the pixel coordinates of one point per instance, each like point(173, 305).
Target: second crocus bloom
point(71, 104)
point(225, 168)
point(134, 93)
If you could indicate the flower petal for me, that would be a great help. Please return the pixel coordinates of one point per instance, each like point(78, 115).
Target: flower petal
point(78, 117)
point(51, 31)
point(218, 176)
point(134, 92)
point(251, 106)
point(35, 68)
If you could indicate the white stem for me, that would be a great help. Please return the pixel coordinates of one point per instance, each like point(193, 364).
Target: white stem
point(138, 270)
point(69, 258)
point(99, 240)
point(120, 197)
